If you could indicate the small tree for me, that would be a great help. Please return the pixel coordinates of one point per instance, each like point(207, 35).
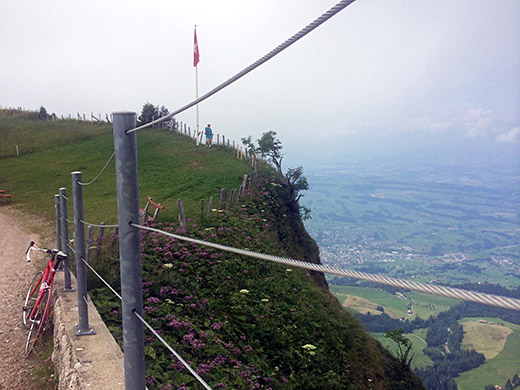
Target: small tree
point(404, 346)
point(148, 114)
point(43, 113)
point(270, 148)
point(163, 111)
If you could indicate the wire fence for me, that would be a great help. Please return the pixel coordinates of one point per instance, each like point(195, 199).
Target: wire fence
point(129, 232)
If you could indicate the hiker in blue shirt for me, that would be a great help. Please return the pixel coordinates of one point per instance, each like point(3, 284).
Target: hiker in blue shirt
point(209, 135)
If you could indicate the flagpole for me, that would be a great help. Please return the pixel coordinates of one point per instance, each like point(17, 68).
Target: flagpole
point(197, 95)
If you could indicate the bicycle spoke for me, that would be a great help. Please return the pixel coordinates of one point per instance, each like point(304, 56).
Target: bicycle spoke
point(30, 299)
point(38, 322)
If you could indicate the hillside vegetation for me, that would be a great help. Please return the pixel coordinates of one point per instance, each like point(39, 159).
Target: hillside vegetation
point(242, 323)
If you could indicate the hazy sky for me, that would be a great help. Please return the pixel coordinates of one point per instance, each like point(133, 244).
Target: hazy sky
point(379, 75)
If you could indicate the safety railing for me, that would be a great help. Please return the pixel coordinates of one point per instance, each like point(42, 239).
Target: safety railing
point(129, 230)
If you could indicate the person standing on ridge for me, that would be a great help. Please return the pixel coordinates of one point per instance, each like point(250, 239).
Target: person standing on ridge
point(209, 135)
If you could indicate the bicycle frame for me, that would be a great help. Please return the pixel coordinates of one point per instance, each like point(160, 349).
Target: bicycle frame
point(37, 312)
point(46, 283)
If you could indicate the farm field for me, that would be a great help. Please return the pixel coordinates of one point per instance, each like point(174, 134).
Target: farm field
point(428, 221)
point(374, 296)
point(505, 364)
point(424, 305)
point(500, 342)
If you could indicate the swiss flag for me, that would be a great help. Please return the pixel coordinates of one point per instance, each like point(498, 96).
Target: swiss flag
point(195, 50)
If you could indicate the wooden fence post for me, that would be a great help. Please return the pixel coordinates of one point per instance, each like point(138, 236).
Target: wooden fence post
point(209, 205)
point(231, 197)
point(182, 216)
point(202, 208)
point(100, 237)
point(90, 242)
point(114, 238)
point(223, 196)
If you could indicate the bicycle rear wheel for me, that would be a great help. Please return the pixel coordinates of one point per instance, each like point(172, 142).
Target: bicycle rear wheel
point(30, 299)
point(38, 322)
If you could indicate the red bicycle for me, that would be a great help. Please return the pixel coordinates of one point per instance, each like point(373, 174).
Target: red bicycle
point(37, 306)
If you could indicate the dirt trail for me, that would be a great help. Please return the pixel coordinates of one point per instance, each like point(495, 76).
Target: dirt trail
point(15, 275)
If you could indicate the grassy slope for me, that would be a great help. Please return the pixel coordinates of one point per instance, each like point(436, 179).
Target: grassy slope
point(420, 360)
point(505, 365)
point(424, 305)
point(34, 135)
point(168, 164)
point(170, 167)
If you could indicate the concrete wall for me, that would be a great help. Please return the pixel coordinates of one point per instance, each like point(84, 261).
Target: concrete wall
point(83, 362)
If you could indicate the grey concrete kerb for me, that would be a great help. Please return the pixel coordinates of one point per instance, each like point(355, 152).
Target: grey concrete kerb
point(83, 362)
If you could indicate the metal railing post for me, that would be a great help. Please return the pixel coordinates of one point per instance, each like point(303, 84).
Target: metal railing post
point(65, 238)
point(125, 150)
point(58, 221)
point(82, 328)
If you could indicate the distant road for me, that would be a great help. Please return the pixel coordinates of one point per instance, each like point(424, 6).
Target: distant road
point(413, 334)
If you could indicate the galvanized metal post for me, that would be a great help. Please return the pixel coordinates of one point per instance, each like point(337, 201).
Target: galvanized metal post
point(58, 221)
point(125, 149)
point(82, 328)
point(65, 238)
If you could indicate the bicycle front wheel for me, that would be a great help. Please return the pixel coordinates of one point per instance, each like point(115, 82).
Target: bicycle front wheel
point(38, 322)
point(30, 299)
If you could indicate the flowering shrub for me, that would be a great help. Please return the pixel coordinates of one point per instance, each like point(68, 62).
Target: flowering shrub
point(241, 323)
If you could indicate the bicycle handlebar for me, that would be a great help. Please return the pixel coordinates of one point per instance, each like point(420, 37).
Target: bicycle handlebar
point(56, 254)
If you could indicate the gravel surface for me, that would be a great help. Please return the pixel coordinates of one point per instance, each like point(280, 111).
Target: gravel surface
point(15, 276)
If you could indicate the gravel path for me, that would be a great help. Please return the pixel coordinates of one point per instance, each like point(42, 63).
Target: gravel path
point(15, 275)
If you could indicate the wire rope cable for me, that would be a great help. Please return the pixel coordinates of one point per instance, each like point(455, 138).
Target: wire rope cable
point(99, 226)
point(71, 248)
point(103, 280)
point(100, 327)
point(149, 327)
point(466, 295)
point(191, 370)
point(100, 173)
point(313, 25)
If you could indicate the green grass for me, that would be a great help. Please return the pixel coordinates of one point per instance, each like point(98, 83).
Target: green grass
point(424, 305)
point(42, 376)
point(167, 164)
point(34, 135)
point(505, 365)
point(172, 167)
point(420, 360)
point(379, 297)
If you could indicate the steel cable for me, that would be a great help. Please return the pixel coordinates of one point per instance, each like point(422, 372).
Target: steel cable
point(100, 173)
point(191, 370)
point(317, 22)
point(99, 226)
point(151, 329)
point(103, 280)
point(487, 299)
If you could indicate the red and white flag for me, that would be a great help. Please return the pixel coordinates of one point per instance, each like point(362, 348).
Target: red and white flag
point(195, 50)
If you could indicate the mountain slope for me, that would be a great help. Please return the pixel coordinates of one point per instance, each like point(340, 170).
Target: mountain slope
point(242, 323)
